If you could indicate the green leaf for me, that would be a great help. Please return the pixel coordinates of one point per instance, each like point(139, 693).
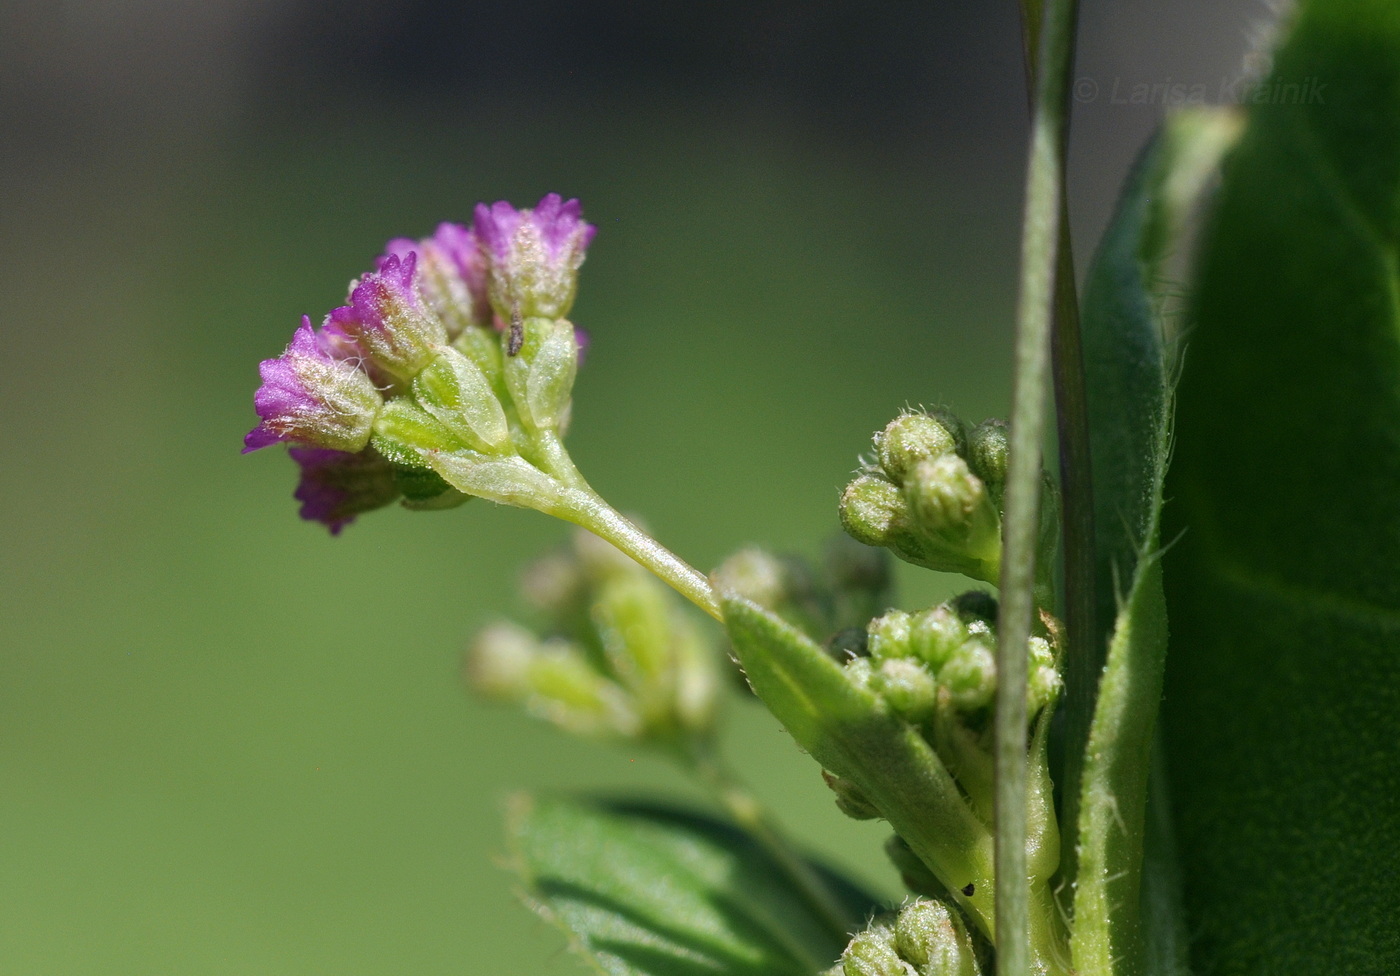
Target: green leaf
point(650, 891)
point(1130, 369)
point(1283, 689)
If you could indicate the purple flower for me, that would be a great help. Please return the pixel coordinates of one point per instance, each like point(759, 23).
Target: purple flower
point(451, 276)
point(532, 256)
point(336, 486)
point(387, 318)
point(313, 394)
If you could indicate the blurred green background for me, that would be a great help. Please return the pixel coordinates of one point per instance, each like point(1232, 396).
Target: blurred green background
point(232, 744)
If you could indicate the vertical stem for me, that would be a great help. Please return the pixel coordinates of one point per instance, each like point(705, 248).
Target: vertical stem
point(1035, 308)
point(1079, 612)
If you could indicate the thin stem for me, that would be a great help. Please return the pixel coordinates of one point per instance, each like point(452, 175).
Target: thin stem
point(1080, 612)
point(1039, 256)
point(582, 506)
point(750, 814)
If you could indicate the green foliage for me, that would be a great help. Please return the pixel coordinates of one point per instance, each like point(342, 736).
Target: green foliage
point(1130, 374)
point(1283, 702)
point(648, 891)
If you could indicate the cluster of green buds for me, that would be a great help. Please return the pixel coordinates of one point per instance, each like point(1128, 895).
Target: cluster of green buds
point(936, 670)
point(932, 494)
point(925, 938)
point(619, 656)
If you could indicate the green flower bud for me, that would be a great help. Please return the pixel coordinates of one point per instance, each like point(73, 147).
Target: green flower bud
point(907, 687)
point(970, 676)
point(889, 635)
point(949, 508)
point(860, 672)
point(402, 428)
point(915, 437)
point(483, 347)
point(1043, 681)
point(931, 935)
point(935, 634)
point(987, 448)
point(540, 376)
point(850, 800)
point(873, 953)
point(565, 690)
point(872, 510)
point(498, 661)
point(632, 618)
point(455, 390)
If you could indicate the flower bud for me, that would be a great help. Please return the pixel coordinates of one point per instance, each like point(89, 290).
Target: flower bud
point(872, 510)
point(566, 690)
point(935, 634)
point(403, 428)
point(931, 936)
point(889, 635)
point(451, 276)
point(914, 437)
point(540, 376)
point(970, 676)
point(498, 661)
point(850, 800)
point(387, 318)
point(310, 396)
point(907, 687)
point(873, 953)
point(532, 256)
point(336, 486)
point(454, 389)
point(1043, 681)
point(987, 450)
point(952, 513)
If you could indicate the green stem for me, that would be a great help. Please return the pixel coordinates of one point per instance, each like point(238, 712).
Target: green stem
point(1080, 611)
point(1039, 256)
point(583, 506)
point(746, 811)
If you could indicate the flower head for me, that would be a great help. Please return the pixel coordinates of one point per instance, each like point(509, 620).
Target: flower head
point(451, 275)
point(388, 319)
point(533, 256)
point(335, 486)
point(313, 394)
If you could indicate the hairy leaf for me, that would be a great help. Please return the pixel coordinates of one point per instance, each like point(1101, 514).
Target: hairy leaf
point(651, 891)
point(1130, 371)
point(1283, 705)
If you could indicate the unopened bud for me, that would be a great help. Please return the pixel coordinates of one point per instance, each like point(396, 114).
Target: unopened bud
point(930, 935)
point(1043, 681)
point(873, 953)
point(454, 389)
point(935, 634)
point(403, 428)
point(498, 661)
point(908, 688)
point(541, 374)
point(566, 690)
point(872, 509)
point(970, 676)
point(915, 437)
point(987, 449)
point(889, 635)
point(949, 506)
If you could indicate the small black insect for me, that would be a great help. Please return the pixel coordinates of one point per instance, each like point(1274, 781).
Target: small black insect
point(968, 889)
